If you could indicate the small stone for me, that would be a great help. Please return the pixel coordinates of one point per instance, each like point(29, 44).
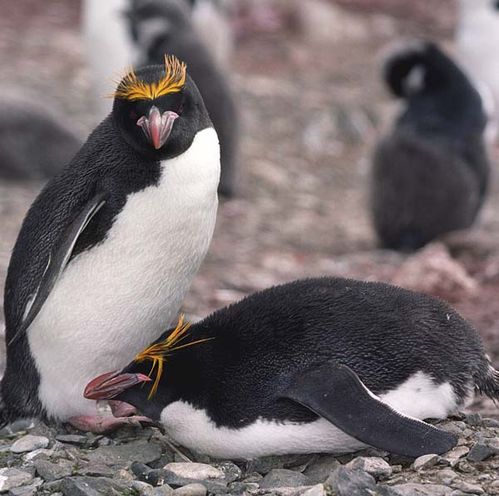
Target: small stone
point(317, 490)
point(72, 439)
point(194, 471)
point(30, 490)
point(375, 466)
point(425, 461)
point(242, 488)
point(468, 488)
point(453, 456)
point(349, 482)
point(164, 490)
point(13, 477)
point(142, 488)
point(29, 443)
point(414, 489)
point(319, 470)
point(281, 477)
point(490, 422)
point(92, 486)
point(195, 489)
point(474, 419)
point(96, 470)
point(42, 453)
point(446, 476)
point(52, 471)
point(231, 471)
point(483, 449)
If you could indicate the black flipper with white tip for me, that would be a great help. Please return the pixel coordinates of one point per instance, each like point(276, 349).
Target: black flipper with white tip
point(59, 258)
point(336, 393)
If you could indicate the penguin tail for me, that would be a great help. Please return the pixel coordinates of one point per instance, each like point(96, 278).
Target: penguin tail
point(489, 384)
point(4, 418)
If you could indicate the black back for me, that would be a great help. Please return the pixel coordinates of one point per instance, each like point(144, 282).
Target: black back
point(430, 173)
point(383, 333)
point(160, 28)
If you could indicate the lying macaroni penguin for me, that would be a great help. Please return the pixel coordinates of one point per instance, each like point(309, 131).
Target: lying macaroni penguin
point(109, 248)
point(430, 174)
point(319, 365)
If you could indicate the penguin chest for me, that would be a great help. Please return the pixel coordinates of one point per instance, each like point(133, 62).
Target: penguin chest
point(114, 299)
point(194, 429)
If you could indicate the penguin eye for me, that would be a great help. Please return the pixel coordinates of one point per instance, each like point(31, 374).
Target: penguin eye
point(133, 115)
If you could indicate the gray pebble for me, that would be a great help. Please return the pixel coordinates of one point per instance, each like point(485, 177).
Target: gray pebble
point(231, 471)
point(142, 488)
point(350, 482)
point(425, 461)
point(319, 470)
point(414, 489)
point(483, 449)
point(13, 477)
point(474, 419)
point(194, 471)
point(72, 439)
point(490, 422)
point(29, 490)
point(375, 466)
point(29, 443)
point(53, 471)
point(195, 489)
point(453, 456)
point(92, 486)
point(466, 487)
point(446, 475)
point(280, 477)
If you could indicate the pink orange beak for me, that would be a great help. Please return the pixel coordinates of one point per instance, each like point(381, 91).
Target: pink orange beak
point(111, 384)
point(156, 126)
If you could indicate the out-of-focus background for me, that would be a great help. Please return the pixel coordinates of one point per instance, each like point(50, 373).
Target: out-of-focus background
point(307, 80)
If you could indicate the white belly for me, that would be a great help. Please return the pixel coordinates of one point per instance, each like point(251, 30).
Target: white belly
point(417, 397)
point(122, 294)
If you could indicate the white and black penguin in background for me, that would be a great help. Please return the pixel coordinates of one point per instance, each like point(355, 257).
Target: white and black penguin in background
point(165, 26)
point(477, 39)
point(109, 248)
point(430, 173)
point(318, 365)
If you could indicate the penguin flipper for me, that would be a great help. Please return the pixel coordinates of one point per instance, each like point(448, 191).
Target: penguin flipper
point(336, 393)
point(58, 259)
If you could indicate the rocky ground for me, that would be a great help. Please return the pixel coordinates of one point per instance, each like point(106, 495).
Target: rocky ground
point(140, 461)
point(312, 107)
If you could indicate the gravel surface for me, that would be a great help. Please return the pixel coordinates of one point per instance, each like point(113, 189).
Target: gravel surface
point(312, 111)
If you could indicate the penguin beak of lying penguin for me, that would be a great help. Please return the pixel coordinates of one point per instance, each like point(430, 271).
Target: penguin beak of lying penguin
point(157, 126)
point(111, 384)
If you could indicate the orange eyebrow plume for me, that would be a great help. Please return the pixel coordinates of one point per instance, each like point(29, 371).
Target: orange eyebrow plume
point(158, 352)
point(131, 88)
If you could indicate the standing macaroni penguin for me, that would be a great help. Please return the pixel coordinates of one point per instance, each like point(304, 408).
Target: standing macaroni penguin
point(430, 173)
point(109, 248)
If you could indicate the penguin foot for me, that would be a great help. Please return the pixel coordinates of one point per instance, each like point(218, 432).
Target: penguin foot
point(104, 424)
point(122, 409)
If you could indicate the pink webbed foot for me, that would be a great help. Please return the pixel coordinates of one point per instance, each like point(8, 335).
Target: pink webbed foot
point(104, 424)
point(122, 409)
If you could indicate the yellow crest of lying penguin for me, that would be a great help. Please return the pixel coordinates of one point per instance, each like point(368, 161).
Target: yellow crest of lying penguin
point(319, 365)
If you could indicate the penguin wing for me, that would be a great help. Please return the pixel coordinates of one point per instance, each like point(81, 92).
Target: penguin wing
point(336, 393)
point(58, 259)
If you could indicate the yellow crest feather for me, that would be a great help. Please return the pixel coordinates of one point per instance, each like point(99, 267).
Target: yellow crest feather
point(158, 352)
point(131, 88)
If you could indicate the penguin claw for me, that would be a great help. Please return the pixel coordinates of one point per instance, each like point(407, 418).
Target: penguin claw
point(103, 425)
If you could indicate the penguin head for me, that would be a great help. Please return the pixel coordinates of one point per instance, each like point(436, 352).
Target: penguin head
point(158, 109)
point(151, 381)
